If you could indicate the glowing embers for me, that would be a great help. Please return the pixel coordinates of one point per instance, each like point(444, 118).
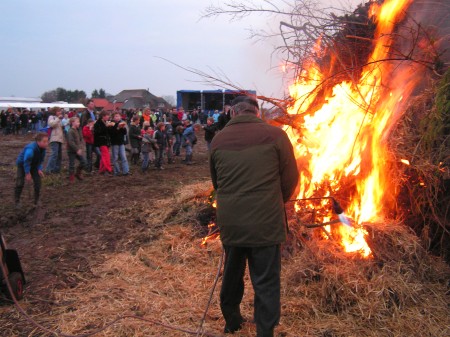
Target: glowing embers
point(213, 229)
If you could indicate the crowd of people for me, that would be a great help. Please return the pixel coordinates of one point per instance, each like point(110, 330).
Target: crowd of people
point(99, 140)
point(22, 121)
point(14, 121)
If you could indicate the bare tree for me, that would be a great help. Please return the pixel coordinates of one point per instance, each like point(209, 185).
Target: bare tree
point(169, 99)
point(338, 42)
point(49, 96)
point(301, 24)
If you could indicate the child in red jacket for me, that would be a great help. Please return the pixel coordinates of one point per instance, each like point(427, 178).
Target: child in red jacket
point(88, 137)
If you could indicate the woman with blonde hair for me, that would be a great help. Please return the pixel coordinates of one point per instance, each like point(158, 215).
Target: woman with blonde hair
point(56, 140)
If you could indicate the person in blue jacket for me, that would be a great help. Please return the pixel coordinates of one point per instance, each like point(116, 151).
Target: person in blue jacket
point(189, 140)
point(29, 167)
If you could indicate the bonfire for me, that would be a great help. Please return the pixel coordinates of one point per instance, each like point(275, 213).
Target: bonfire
point(341, 126)
point(350, 268)
point(341, 146)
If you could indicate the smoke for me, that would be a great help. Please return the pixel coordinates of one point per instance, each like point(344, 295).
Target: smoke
point(426, 30)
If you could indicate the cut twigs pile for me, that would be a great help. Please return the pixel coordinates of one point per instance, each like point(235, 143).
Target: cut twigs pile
point(400, 291)
point(423, 138)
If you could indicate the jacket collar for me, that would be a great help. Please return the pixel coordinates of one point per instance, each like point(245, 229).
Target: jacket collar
point(36, 147)
point(247, 118)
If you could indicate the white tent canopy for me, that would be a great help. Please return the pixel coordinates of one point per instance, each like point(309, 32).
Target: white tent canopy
point(63, 105)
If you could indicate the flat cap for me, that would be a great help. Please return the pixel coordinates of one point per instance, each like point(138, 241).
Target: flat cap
point(245, 99)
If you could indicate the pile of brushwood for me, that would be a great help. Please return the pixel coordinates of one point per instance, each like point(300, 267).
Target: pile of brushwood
point(400, 290)
point(423, 138)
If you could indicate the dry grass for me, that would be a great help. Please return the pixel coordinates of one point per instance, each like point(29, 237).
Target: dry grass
point(422, 188)
point(402, 291)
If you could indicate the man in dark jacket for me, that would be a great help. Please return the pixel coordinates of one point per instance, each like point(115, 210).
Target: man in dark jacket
point(224, 117)
point(254, 172)
point(3, 121)
point(170, 135)
point(135, 137)
point(24, 118)
point(89, 113)
point(210, 131)
point(162, 141)
point(29, 167)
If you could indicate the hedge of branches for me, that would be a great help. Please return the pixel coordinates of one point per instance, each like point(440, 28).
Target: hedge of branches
point(423, 138)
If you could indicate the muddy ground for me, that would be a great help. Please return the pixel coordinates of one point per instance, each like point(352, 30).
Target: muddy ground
point(112, 246)
point(60, 242)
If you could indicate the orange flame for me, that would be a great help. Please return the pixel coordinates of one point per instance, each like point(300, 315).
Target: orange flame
point(213, 231)
point(213, 234)
point(344, 140)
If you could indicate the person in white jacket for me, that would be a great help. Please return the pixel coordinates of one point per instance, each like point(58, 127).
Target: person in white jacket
point(56, 140)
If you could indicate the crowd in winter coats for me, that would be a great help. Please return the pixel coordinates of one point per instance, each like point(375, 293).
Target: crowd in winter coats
point(100, 141)
point(13, 121)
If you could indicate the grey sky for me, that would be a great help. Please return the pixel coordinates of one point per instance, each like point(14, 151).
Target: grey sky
point(111, 44)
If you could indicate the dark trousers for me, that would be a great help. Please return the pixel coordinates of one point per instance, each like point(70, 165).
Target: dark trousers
point(20, 183)
point(169, 153)
point(98, 157)
point(145, 161)
point(90, 149)
point(82, 162)
point(265, 268)
point(177, 145)
point(135, 153)
point(159, 156)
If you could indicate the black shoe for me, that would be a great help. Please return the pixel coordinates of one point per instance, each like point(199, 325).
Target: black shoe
point(227, 329)
point(264, 333)
point(234, 325)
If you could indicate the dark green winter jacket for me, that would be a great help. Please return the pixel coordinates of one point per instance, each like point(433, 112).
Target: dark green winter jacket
point(74, 140)
point(254, 172)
